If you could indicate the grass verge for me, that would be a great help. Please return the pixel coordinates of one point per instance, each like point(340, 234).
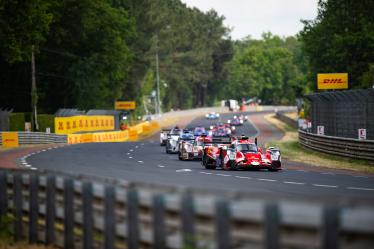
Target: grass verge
point(293, 151)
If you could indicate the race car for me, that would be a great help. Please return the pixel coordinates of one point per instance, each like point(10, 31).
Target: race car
point(163, 136)
point(198, 131)
point(243, 153)
point(192, 151)
point(172, 140)
point(213, 152)
point(212, 115)
point(235, 121)
point(221, 130)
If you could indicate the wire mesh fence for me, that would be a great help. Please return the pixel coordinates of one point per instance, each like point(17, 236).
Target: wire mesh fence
point(343, 113)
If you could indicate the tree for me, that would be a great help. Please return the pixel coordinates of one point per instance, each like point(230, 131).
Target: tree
point(341, 39)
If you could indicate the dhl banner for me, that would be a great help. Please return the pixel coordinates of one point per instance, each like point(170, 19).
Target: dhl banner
point(332, 80)
point(98, 137)
point(68, 125)
point(10, 139)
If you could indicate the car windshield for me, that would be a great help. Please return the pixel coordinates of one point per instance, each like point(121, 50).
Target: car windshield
point(247, 147)
point(199, 143)
point(199, 130)
point(175, 132)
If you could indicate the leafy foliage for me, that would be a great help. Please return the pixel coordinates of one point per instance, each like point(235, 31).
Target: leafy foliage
point(341, 39)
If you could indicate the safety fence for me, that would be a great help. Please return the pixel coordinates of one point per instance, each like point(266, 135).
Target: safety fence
point(347, 147)
point(36, 138)
point(77, 212)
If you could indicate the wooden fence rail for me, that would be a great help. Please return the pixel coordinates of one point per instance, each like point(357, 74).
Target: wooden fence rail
point(81, 213)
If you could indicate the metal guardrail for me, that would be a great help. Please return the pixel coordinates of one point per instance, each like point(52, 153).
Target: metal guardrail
point(38, 138)
point(347, 147)
point(73, 212)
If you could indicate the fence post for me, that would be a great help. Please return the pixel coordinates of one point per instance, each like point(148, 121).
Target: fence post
point(110, 226)
point(132, 219)
point(159, 230)
point(187, 215)
point(51, 210)
point(87, 215)
point(330, 227)
point(18, 205)
point(3, 195)
point(271, 225)
point(222, 231)
point(68, 213)
point(33, 207)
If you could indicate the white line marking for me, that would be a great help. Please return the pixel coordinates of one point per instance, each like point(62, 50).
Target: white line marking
point(130, 157)
point(33, 168)
point(243, 177)
point(361, 176)
point(131, 150)
point(183, 170)
point(366, 189)
point(222, 175)
point(23, 162)
point(161, 166)
point(136, 147)
point(27, 165)
point(207, 173)
point(267, 180)
point(297, 183)
point(140, 162)
point(44, 150)
point(325, 186)
point(128, 153)
point(142, 144)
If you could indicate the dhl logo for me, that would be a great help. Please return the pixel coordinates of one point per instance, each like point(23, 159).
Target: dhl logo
point(333, 81)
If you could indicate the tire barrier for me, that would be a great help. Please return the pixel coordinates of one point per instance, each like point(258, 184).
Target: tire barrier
point(78, 212)
point(346, 147)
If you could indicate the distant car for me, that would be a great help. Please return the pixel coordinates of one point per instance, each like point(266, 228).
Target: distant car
point(212, 115)
point(236, 121)
point(164, 136)
point(198, 131)
point(194, 150)
point(172, 140)
point(185, 142)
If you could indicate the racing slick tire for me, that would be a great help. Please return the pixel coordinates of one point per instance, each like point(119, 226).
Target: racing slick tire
point(204, 162)
point(180, 156)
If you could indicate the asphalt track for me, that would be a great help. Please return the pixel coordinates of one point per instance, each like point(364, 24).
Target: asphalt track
point(147, 161)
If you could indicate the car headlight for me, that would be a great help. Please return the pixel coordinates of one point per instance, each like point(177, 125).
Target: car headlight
point(229, 121)
point(211, 127)
point(233, 128)
point(206, 115)
point(234, 116)
point(241, 121)
point(217, 114)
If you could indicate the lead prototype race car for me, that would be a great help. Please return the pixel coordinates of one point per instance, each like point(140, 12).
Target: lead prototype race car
point(193, 150)
point(240, 153)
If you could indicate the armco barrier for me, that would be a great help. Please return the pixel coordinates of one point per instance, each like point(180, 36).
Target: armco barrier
point(78, 212)
point(281, 116)
point(347, 147)
point(38, 138)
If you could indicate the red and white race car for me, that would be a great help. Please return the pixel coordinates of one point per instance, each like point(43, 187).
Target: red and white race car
point(193, 150)
point(241, 153)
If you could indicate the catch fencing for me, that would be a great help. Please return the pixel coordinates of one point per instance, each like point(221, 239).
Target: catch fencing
point(342, 113)
point(25, 138)
point(82, 212)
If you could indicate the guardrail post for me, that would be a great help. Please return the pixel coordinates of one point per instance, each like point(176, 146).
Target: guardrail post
point(271, 225)
point(87, 215)
point(3, 195)
point(222, 231)
point(33, 207)
point(132, 219)
point(68, 213)
point(51, 210)
point(159, 229)
point(187, 215)
point(109, 233)
point(17, 206)
point(330, 227)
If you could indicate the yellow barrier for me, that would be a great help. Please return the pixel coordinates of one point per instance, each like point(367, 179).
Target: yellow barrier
point(10, 139)
point(132, 134)
point(68, 125)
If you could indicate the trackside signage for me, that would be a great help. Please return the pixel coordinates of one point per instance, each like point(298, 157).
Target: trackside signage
point(332, 81)
point(362, 134)
point(124, 105)
point(10, 139)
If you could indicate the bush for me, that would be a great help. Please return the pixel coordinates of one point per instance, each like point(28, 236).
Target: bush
point(45, 121)
point(17, 122)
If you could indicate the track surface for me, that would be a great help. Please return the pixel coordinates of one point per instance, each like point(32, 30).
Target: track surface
point(147, 162)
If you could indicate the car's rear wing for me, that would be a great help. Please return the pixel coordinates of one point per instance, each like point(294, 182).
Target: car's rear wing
point(242, 137)
point(166, 130)
point(221, 140)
